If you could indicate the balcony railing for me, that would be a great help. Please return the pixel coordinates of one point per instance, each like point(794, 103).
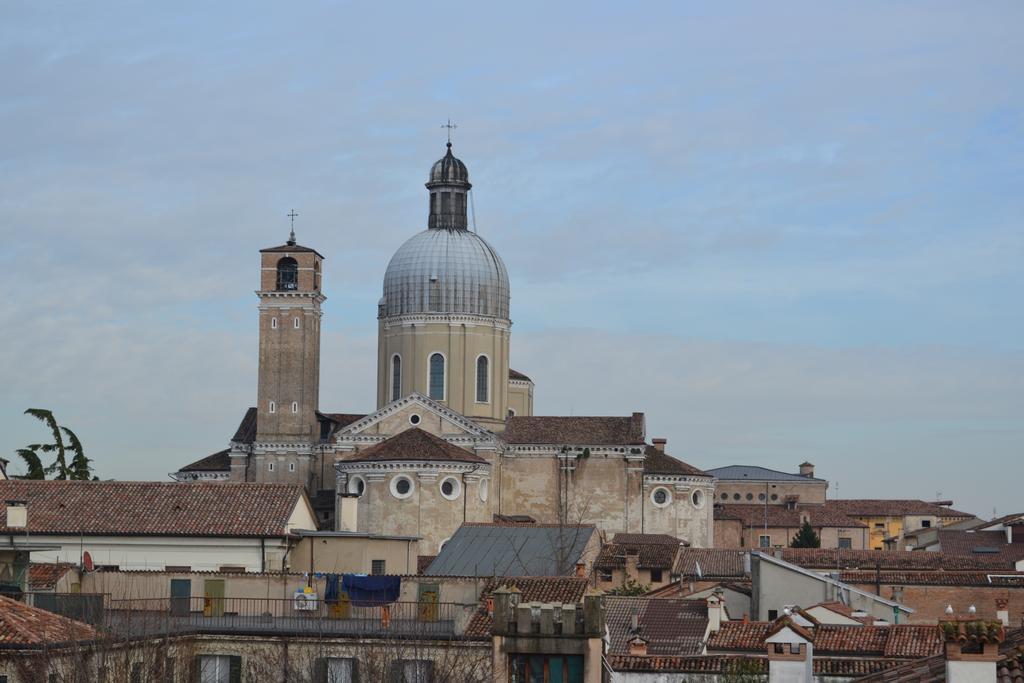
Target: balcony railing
point(279, 616)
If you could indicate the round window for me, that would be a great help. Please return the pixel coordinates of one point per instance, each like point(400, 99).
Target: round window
point(725, 496)
point(356, 485)
point(697, 498)
point(401, 486)
point(735, 496)
point(750, 496)
point(760, 496)
point(414, 419)
point(451, 488)
point(484, 484)
point(661, 497)
point(775, 496)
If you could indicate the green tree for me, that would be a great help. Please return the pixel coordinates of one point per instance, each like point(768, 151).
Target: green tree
point(78, 467)
point(631, 587)
point(806, 537)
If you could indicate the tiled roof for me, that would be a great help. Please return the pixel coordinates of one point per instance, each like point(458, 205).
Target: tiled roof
point(740, 636)
point(675, 664)
point(903, 641)
point(657, 462)
point(782, 516)
point(422, 562)
point(1009, 668)
point(218, 462)
point(588, 431)
point(936, 578)
point(897, 507)
point(556, 589)
point(712, 563)
point(22, 625)
point(832, 558)
point(285, 248)
point(975, 542)
point(670, 626)
point(515, 374)
point(655, 551)
point(754, 473)
point(415, 444)
point(43, 576)
point(151, 508)
point(246, 432)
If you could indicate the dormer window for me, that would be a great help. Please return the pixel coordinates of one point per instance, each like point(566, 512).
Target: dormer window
point(287, 274)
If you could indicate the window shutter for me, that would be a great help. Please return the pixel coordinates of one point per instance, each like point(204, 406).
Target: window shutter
point(235, 669)
point(197, 668)
point(355, 670)
point(320, 670)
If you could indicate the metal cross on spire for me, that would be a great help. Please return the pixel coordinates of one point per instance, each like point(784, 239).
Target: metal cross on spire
point(450, 126)
point(291, 238)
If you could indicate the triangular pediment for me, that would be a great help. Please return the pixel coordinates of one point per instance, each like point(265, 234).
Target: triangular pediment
point(415, 411)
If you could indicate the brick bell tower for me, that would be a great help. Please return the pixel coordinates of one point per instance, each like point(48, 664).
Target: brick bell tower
point(288, 394)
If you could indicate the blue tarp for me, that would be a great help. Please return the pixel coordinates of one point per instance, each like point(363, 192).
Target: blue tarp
point(371, 591)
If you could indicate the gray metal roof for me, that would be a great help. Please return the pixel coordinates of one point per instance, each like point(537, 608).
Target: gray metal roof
point(755, 473)
point(525, 550)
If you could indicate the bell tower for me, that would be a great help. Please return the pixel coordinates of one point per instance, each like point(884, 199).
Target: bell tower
point(288, 394)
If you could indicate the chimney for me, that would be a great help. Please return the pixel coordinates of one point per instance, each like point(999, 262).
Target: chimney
point(806, 469)
point(348, 506)
point(660, 443)
point(972, 649)
point(632, 562)
point(1002, 611)
point(17, 514)
point(716, 610)
point(637, 646)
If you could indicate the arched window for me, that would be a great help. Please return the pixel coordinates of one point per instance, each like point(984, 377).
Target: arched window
point(396, 377)
point(287, 274)
point(482, 379)
point(436, 391)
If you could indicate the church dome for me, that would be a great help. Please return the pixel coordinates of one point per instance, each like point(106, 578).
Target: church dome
point(448, 170)
point(446, 271)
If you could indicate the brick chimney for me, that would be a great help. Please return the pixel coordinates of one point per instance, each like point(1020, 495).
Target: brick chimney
point(716, 610)
point(806, 469)
point(659, 443)
point(972, 649)
point(637, 646)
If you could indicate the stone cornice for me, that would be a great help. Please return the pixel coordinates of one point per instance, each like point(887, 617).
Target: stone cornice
point(446, 318)
point(419, 466)
point(350, 431)
point(316, 296)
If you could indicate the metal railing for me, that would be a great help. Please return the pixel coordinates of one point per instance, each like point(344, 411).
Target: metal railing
point(275, 615)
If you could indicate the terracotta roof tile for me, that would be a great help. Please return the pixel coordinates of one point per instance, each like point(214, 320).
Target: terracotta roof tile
point(782, 516)
point(979, 544)
point(153, 508)
point(21, 625)
point(43, 576)
point(422, 562)
point(705, 664)
point(654, 551)
point(415, 444)
point(292, 248)
point(897, 507)
point(670, 626)
point(740, 636)
point(587, 431)
point(657, 462)
point(832, 558)
point(711, 563)
point(936, 578)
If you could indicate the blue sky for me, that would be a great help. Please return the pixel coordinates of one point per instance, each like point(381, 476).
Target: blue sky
point(784, 232)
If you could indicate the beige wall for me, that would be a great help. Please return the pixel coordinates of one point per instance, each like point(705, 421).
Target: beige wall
point(728, 534)
point(643, 576)
point(809, 492)
point(520, 397)
point(353, 555)
point(461, 339)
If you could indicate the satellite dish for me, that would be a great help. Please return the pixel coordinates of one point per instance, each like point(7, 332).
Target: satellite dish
point(87, 562)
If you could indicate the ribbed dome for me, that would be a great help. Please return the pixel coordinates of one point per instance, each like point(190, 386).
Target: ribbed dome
point(448, 169)
point(446, 271)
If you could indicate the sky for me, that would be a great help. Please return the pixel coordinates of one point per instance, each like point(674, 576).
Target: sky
point(784, 231)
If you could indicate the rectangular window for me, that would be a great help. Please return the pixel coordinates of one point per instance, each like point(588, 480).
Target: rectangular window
point(845, 542)
point(773, 614)
point(295, 323)
point(926, 523)
point(291, 467)
point(136, 675)
point(764, 541)
point(377, 567)
point(530, 668)
point(340, 670)
point(416, 671)
point(219, 668)
point(655, 575)
point(270, 467)
point(605, 575)
point(880, 525)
